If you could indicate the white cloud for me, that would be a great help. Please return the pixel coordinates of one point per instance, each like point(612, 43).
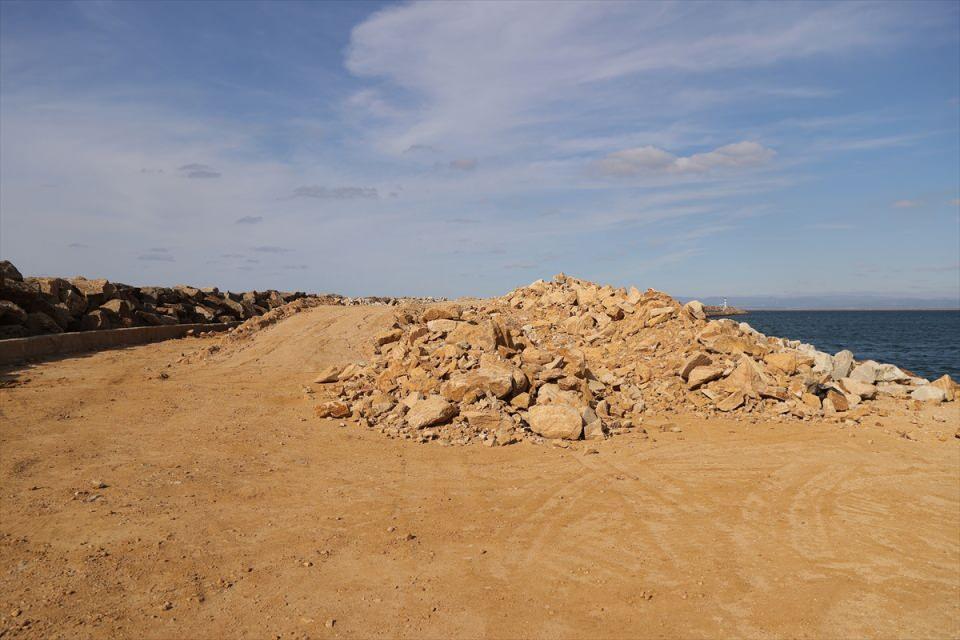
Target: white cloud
point(467, 73)
point(649, 159)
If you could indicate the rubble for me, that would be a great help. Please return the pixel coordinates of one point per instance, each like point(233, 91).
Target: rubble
point(570, 359)
point(36, 306)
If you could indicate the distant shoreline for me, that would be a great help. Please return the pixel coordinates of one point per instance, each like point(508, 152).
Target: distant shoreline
point(858, 309)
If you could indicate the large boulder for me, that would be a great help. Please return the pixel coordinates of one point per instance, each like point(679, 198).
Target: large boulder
point(485, 335)
point(748, 378)
point(948, 385)
point(700, 376)
point(891, 373)
point(785, 361)
point(842, 364)
point(9, 272)
point(697, 359)
point(497, 380)
point(556, 421)
point(39, 322)
point(929, 393)
point(11, 313)
point(865, 372)
point(119, 308)
point(95, 291)
point(695, 310)
point(442, 312)
point(95, 320)
point(865, 390)
point(431, 411)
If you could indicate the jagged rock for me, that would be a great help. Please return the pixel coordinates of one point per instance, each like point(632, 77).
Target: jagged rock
point(700, 376)
point(330, 374)
point(593, 430)
point(442, 312)
point(785, 362)
point(842, 364)
point(865, 390)
point(443, 325)
point(38, 322)
point(695, 309)
point(389, 336)
point(893, 389)
point(929, 393)
point(491, 378)
point(9, 272)
point(332, 409)
point(948, 385)
point(890, 373)
point(119, 308)
point(698, 359)
point(555, 421)
point(733, 401)
point(837, 400)
point(864, 372)
point(11, 313)
point(95, 291)
point(747, 378)
point(521, 400)
point(430, 411)
point(95, 320)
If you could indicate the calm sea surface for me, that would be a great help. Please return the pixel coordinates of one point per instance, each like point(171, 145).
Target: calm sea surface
point(925, 342)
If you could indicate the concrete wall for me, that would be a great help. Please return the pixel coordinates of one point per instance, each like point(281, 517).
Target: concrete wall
point(17, 349)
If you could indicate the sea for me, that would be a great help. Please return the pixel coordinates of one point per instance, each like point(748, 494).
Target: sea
point(926, 343)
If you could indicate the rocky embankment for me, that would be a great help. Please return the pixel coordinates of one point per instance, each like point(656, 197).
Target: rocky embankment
point(571, 359)
point(36, 306)
point(717, 311)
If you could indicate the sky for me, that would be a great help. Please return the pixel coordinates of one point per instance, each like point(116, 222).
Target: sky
point(795, 151)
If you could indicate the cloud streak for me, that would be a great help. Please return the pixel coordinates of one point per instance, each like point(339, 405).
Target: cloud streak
point(650, 159)
point(335, 193)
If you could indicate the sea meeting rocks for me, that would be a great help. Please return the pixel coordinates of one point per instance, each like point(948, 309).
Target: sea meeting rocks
point(568, 359)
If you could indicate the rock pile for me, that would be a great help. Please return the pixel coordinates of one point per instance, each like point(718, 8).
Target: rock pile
point(571, 359)
point(33, 306)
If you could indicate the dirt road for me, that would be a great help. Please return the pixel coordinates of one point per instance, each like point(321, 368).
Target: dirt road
point(211, 503)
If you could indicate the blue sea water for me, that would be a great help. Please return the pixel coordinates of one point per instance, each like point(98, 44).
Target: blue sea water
point(926, 343)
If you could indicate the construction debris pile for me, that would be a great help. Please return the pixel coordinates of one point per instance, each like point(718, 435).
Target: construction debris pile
point(571, 359)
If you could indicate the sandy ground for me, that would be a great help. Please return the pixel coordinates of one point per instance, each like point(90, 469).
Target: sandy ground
point(230, 511)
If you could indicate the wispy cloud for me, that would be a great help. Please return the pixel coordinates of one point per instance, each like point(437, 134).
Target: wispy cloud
point(465, 164)
point(249, 220)
point(649, 159)
point(335, 193)
point(270, 249)
point(425, 48)
point(831, 226)
point(906, 204)
point(201, 171)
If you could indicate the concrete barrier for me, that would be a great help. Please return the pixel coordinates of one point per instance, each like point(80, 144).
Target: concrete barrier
point(17, 349)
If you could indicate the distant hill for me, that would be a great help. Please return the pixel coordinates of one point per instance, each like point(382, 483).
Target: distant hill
point(861, 301)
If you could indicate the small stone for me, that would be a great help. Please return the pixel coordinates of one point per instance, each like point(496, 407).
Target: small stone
point(330, 623)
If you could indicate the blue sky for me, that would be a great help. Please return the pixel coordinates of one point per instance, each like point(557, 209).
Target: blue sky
point(703, 149)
